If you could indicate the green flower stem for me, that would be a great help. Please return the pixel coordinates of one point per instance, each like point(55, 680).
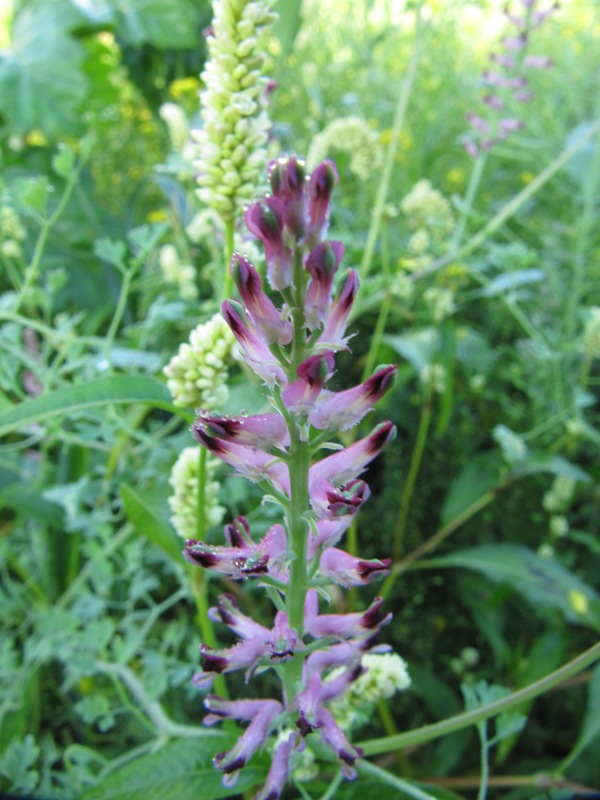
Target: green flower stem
point(467, 204)
point(413, 472)
point(199, 584)
point(430, 732)
point(389, 779)
point(511, 208)
point(384, 311)
point(228, 252)
point(33, 270)
point(390, 158)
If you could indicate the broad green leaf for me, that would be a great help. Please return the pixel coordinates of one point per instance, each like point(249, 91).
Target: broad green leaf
point(289, 23)
point(32, 193)
point(181, 770)
point(555, 465)
point(146, 517)
point(70, 399)
point(480, 474)
point(474, 352)
point(41, 80)
point(545, 583)
point(164, 25)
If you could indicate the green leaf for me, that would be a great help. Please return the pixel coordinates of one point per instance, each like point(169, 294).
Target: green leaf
point(70, 399)
point(545, 583)
point(512, 280)
point(114, 252)
point(289, 23)
point(477, 477)
point(591, 723)
point(32, 193)
point(179, 771)
point(418, 347)
point(41, 81)
point(146, 517)
point(164, 25)
point(474, 352)
point(63, 161)
point(386, 786)
point(16, 763)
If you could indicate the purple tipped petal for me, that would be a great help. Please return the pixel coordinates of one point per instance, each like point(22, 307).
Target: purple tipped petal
point(262, 431)
point(300, 396)
point(332, 337)
point(287, 177)
point(322, 264)
point(332, 503)
point(348, 464)
point(342, 410)
point(537, 62)
point(283, 640)
point(332, 734)
point(346, 626)
point(320, 187)
point(256, 465)
point(330, 531)
point(243, 626)
point(340, 567)
point(279, 772)
point(265, 220)
point(260, 713)
point(255, 350)
point(266, 317)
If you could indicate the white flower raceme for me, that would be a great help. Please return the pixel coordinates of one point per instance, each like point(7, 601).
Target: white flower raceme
point(350, 135)
point(232, 143)
point(184, 502)
point(177, 124)
point(386, 674)
point(427, 208)
point(197, 375)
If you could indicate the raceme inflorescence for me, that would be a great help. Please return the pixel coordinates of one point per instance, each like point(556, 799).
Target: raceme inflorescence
point(291, 345)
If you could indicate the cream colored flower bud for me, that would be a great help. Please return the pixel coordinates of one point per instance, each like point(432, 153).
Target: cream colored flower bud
point(184, 502)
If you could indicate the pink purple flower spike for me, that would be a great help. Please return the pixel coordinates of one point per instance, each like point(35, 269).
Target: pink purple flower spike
point(508, 78)
point(290, 344)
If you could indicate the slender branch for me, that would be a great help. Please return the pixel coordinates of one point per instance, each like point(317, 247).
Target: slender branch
point(430, 732)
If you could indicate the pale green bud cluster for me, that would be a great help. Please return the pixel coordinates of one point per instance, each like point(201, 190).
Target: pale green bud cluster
point(232, 144)
point(184, 501)
point(441, 302)
point(197, 375)
point(434, 376)
point(12, 233)
point(350, 135)
point(176, 272)
point(430, 216)
point(559, 526)
point(512, 445)
point(591, 335)
point(385, 675)
point(560, 494)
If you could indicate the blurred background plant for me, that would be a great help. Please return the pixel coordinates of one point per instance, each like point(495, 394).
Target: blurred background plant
point(487, 299)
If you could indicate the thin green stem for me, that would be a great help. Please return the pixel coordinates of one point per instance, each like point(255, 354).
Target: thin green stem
point(385, 777)
point(228, 252)
point(469, 199)
point(390, 158)
point(413, 472)
point(430, 732)
point(33, 270)
point(119, 311)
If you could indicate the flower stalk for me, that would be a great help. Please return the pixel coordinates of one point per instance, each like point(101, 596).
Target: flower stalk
point(292, 348)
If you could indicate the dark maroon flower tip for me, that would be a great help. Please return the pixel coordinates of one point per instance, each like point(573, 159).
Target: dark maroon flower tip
point(350, 758)
point(304, 725)
point(237, 533)
point(233, 766)
point(227, 605)
point(369, 569)
point(382, 434)
point(195, 553)
point(210, 661)
point(374, 615)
